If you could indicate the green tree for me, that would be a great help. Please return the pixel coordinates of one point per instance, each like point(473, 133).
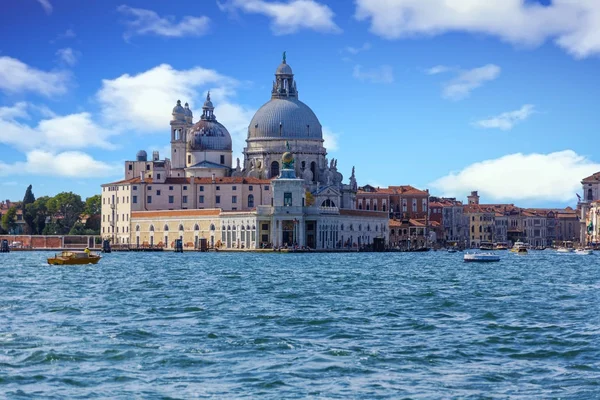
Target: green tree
point(66, 207)
point(52, 228)
point(77, 229)
point(39, 211)
point(93, 205)
point(9, 219)
point(28, 217)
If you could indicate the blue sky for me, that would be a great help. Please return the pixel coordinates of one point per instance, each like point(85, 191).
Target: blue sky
point(448, 95)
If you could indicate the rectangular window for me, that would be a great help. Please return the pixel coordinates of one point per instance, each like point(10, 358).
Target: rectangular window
point(201, 199)
point(170, 187)
point(130, 167)
point(171, 199)
point(149, 187)
point(135, 188)
point(202, 188)
point(189, 159)
point(218, 187)
point(222, 159)
point(234, 188)
point(234, 209)
point(218, 199)
point(265, 227)
point(149, 200)
point(134, 199)
point(147, 167)
point(157, 176)
point(184, 199)
point(266, 188)
point(234, 199)
point(158, 192)
point(287, 199)
point(250, 188)
point(185, 188)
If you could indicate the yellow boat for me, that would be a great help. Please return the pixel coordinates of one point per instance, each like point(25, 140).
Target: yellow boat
point(74, 258)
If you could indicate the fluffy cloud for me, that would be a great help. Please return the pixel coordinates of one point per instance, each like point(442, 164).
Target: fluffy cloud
point(68, 56)
point(381, 74)
point(331, 139)
point(18, 77)
point(355, 50)
point(466, 81)
point(143, 102)
point(554, 176)
point(148, 22)
point(72, 131)
point(572, 24)
point(70, 164)
point(288, 17)
point(506, 121)
point(46, 5)
point(438, 69)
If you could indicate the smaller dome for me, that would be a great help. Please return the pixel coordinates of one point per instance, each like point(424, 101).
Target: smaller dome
point(284, 69)
point(187, 111)
point(141, 156)
point(178, 111)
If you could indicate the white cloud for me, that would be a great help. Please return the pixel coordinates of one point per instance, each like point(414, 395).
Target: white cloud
point(381, 74)
point(438, 69)
point(572, 24)
point(355, 50)
point(144, 101)
point(74, 131)
point(46, 5)
point(506, 121)
point(288, 17)
point(68, 34)
point(18, 77)
point(551, 177)
point(331, 139)
point(148, 22)
point(68, 56)
point(466, 81)
point(70, 164)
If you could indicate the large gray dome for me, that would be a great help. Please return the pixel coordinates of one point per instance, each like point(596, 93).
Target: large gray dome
point(208, 135)
point(285, 118)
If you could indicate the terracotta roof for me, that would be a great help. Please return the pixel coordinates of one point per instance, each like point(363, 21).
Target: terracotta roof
point(592, 178)
point(363, 213)
point(403, 190)
point(176, 213)
point(207, 181)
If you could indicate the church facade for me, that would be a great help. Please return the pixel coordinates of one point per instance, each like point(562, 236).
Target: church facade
point(286, 192)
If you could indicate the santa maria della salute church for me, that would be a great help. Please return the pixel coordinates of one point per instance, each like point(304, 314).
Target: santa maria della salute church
point(286, 193)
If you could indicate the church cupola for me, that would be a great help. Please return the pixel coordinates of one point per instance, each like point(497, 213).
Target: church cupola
point(208, 110)
point(284, 85)
point(178, 112)
point(189, 116)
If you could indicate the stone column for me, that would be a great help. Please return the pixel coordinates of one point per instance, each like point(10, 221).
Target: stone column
point(301, 235)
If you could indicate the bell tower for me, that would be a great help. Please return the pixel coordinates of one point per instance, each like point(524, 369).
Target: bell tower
point(178, 128)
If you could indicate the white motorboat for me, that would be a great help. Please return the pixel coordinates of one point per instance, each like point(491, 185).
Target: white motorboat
point(481, 257)
point(451, 250)
point(565, 250)
point(584, 252)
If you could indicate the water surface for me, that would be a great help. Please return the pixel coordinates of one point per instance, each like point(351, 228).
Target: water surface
point(395, 325)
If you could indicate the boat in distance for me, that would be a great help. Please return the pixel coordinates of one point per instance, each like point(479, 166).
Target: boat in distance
point(584, 252)
point(74, 258)
point(481, 257)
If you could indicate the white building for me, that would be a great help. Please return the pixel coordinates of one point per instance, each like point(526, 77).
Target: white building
point(287, 192)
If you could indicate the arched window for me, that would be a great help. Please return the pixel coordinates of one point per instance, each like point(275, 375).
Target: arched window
point(250, 201)
point(360, 206)
point(196, 227)
point(328, 203)
point(392, 232)
point(151, 228)
point(137, 228)
point(589, 196)
point(274, 169)
point(383, 208)
point(180, 227)
point(228, 227)
point(375, 207)
point(166, 228)
point(368, 207)
point(313, 169)
point(212, 227)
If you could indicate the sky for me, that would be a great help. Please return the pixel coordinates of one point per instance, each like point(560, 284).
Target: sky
point(445, 95)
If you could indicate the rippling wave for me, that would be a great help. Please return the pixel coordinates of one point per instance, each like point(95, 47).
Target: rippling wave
point(233, 325)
